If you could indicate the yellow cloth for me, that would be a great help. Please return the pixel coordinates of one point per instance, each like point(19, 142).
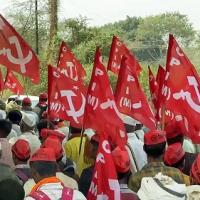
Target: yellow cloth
point(71, 148)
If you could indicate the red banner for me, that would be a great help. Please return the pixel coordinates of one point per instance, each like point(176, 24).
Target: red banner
point(117, 51)
point(181, 89)
point(101, 112)
point(130, 98)
point(69, 65)
point(15, 53)
point(105, 183)
point(70, 95)
point(54, 100)
point(153, 86)
point(13, 84)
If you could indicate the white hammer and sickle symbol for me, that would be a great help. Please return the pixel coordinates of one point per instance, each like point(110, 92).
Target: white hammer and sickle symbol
point(21, 60)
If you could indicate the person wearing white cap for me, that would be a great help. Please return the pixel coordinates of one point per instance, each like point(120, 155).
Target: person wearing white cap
point(134, 146)
point(27, 127)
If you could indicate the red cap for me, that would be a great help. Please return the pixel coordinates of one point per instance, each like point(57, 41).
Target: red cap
point(174, 129)
point(44, 133)
point(121, 160)
point(26, 101)
point(21, 149)
point(43, 96)
point(54, 143)
point(173, 154)
point(154, 137)
point(54, 116)
point(195, 170)
point(44, 154)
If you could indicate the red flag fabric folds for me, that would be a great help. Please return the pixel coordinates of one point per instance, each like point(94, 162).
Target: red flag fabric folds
point(70, 95)
point(117, 51)
point(105, 183)
point(54, 100)
point(130, 98)
point(153, 86)
point(16, 54)
point(13, 84)
point(101, 112)
point(181, 89)
point(69, 65)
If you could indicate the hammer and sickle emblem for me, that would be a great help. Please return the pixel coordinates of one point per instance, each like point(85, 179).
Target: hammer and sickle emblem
point(110, 104)
point(20, 60)
point(185, 95)
point(75, 114)
point(72, 71)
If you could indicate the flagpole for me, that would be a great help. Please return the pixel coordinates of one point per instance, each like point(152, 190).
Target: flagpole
point(24, 84)
point(80, 147)
point(163, 118)
point(81, 142)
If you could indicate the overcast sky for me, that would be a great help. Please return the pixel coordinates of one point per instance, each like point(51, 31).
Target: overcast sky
point(103, 11)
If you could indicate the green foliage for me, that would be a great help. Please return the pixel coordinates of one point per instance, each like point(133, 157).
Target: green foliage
point(100, 38)
point(22, 17)
point(154, 30)
point(129, 26)
point(145, 37)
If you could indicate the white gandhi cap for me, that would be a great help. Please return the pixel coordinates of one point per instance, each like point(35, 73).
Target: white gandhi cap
point(29, 119)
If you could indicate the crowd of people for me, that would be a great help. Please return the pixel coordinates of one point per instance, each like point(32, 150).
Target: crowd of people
point(44, 158)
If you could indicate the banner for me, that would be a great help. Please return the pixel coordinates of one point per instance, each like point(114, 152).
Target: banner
point(101, 113)
point(130, 98)
point(15, 54)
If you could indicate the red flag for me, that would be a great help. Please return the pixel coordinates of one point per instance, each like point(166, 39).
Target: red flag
point(13, 84)
point(153, 86)
point(1, 82)
point(130, 98)
point(101, 112)
point(105, 183)
point(181, 88)
point(54, 103)
point(160, 80)
point(117, 51)
point(69, 65)
point(70, 95)
point(15, 53)
point(160, 75)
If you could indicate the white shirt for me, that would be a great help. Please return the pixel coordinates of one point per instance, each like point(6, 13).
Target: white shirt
point(12, 134)
point(54, 192)
point(188, 146)
point(150, 190)
point(16, 128)
point(140, 134)
point(136, 147)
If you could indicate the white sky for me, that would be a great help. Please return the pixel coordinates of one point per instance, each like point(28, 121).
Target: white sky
point(103, 11)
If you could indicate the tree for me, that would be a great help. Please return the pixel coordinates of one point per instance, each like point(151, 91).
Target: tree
point(76, 31)
point(22, 17)
point(99, 37)
point(53, 19)
point(154, 30)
